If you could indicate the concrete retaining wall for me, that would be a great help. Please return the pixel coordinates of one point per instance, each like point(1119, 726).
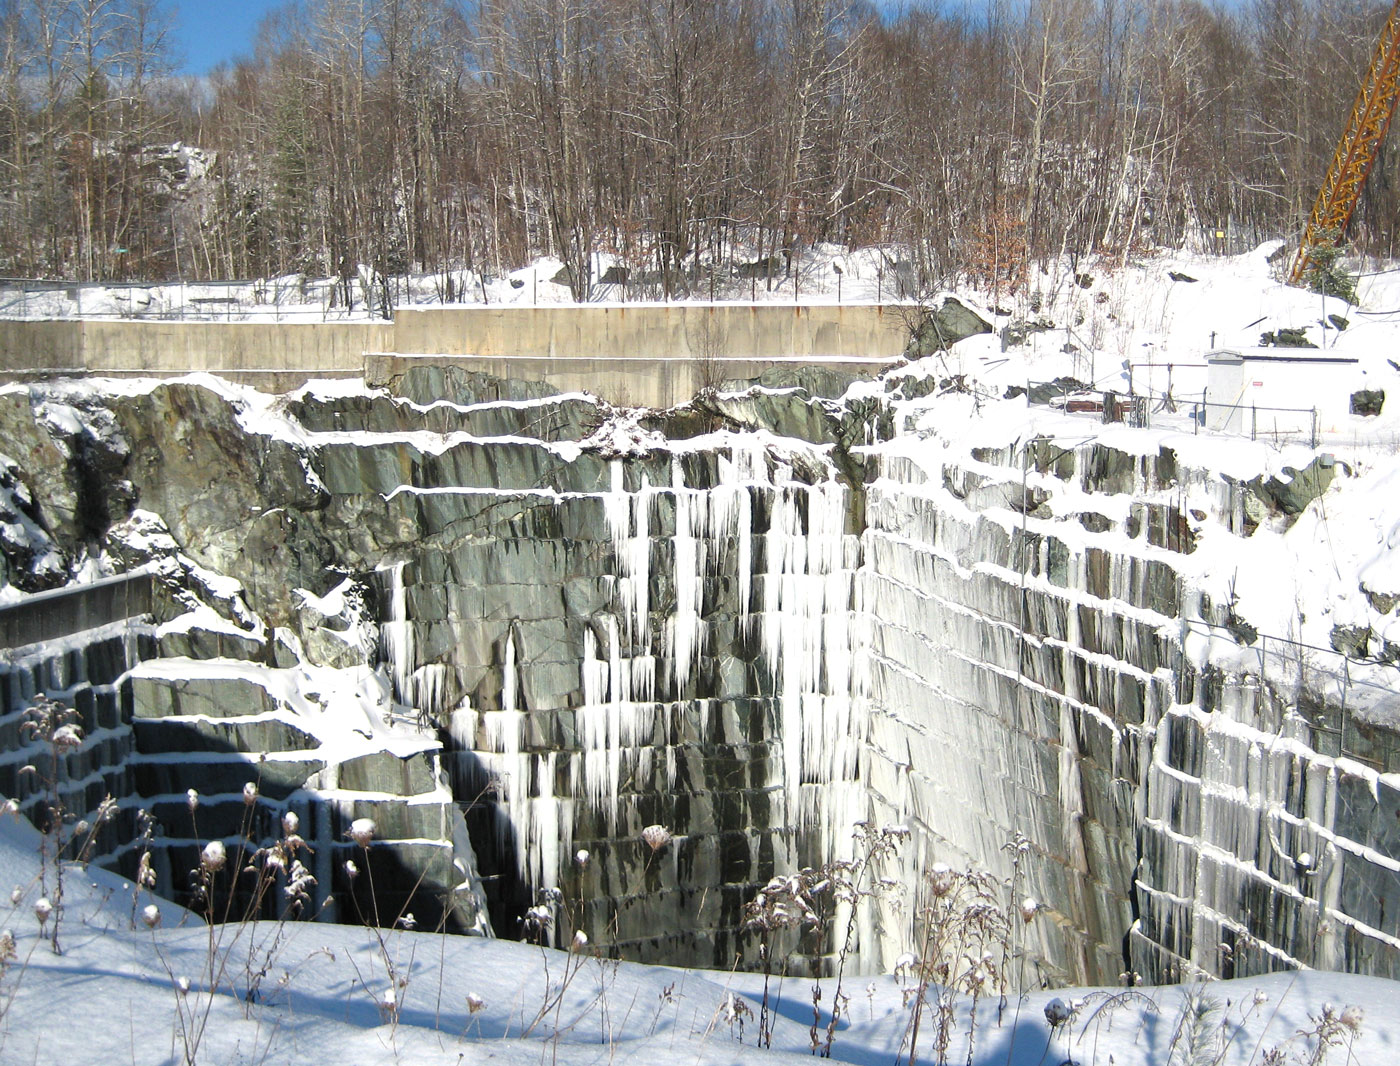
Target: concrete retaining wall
point(230, 346)
point(40, 346)
point(657, 355)
point(653, 331)
point(276, 355)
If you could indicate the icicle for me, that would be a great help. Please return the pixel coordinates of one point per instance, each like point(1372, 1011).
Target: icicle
point(543, 841)
point(686, 626)
point(462, 725)
point(426, 686)
point(619, 691)
point(530, 810)
point(799, 608)
point(508, 764)
point(397, 638)
point(806, 640)
point(628, 516)
point(609, 719)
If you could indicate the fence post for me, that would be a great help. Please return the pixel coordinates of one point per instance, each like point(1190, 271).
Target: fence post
point(1253, 422)
point(1314, 427)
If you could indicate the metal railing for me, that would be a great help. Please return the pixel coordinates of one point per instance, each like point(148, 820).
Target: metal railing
point(282, 299)
point(1278, 425)
point(1295, 669)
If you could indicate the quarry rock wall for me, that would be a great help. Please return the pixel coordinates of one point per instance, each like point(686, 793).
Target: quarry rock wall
point(1037, 672)
point(165, 710)
point(752, 643)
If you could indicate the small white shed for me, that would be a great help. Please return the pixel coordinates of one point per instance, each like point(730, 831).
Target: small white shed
point(1286, 391)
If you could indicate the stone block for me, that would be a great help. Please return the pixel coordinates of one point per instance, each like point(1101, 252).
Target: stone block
point(250, 736)
point(385, 772)
point(218, 697)
point(196, 642)
point(210, 773)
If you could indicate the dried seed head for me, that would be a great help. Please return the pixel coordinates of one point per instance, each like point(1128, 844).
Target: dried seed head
point(151, 916)
point(581, 857)
point(1057, 1012)
point(145, 875)
point(290, 823)
point(580, 940)
point(1352, 1017)
point(299, 881)
point(1029, 907)
point(42, 909)
point(191, 799)
point(362, 831)
point(213, 856)
point(940, 878)
point(475, 1004)
point(67, 736)
point(351, 870)
point(656, 837)
point(250, 794)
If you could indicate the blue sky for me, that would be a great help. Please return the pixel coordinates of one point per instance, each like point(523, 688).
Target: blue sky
point(210, 31)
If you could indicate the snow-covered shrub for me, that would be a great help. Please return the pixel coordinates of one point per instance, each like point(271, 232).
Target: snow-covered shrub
point(51, 729)
point(966, 931)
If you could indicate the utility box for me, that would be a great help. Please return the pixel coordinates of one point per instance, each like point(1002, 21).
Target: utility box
point(1278, 391)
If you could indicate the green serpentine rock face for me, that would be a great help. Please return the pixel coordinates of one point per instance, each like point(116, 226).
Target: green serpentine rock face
point(518, 629)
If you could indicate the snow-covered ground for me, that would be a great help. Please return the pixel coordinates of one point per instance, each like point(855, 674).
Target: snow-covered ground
point(310, 993)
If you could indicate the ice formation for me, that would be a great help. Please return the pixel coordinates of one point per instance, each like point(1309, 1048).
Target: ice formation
point(794, 587)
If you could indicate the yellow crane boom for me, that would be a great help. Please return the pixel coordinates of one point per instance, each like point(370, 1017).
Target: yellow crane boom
point(1370, 117)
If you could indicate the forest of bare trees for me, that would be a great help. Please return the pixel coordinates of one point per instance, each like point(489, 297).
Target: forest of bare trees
point(694, 140)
